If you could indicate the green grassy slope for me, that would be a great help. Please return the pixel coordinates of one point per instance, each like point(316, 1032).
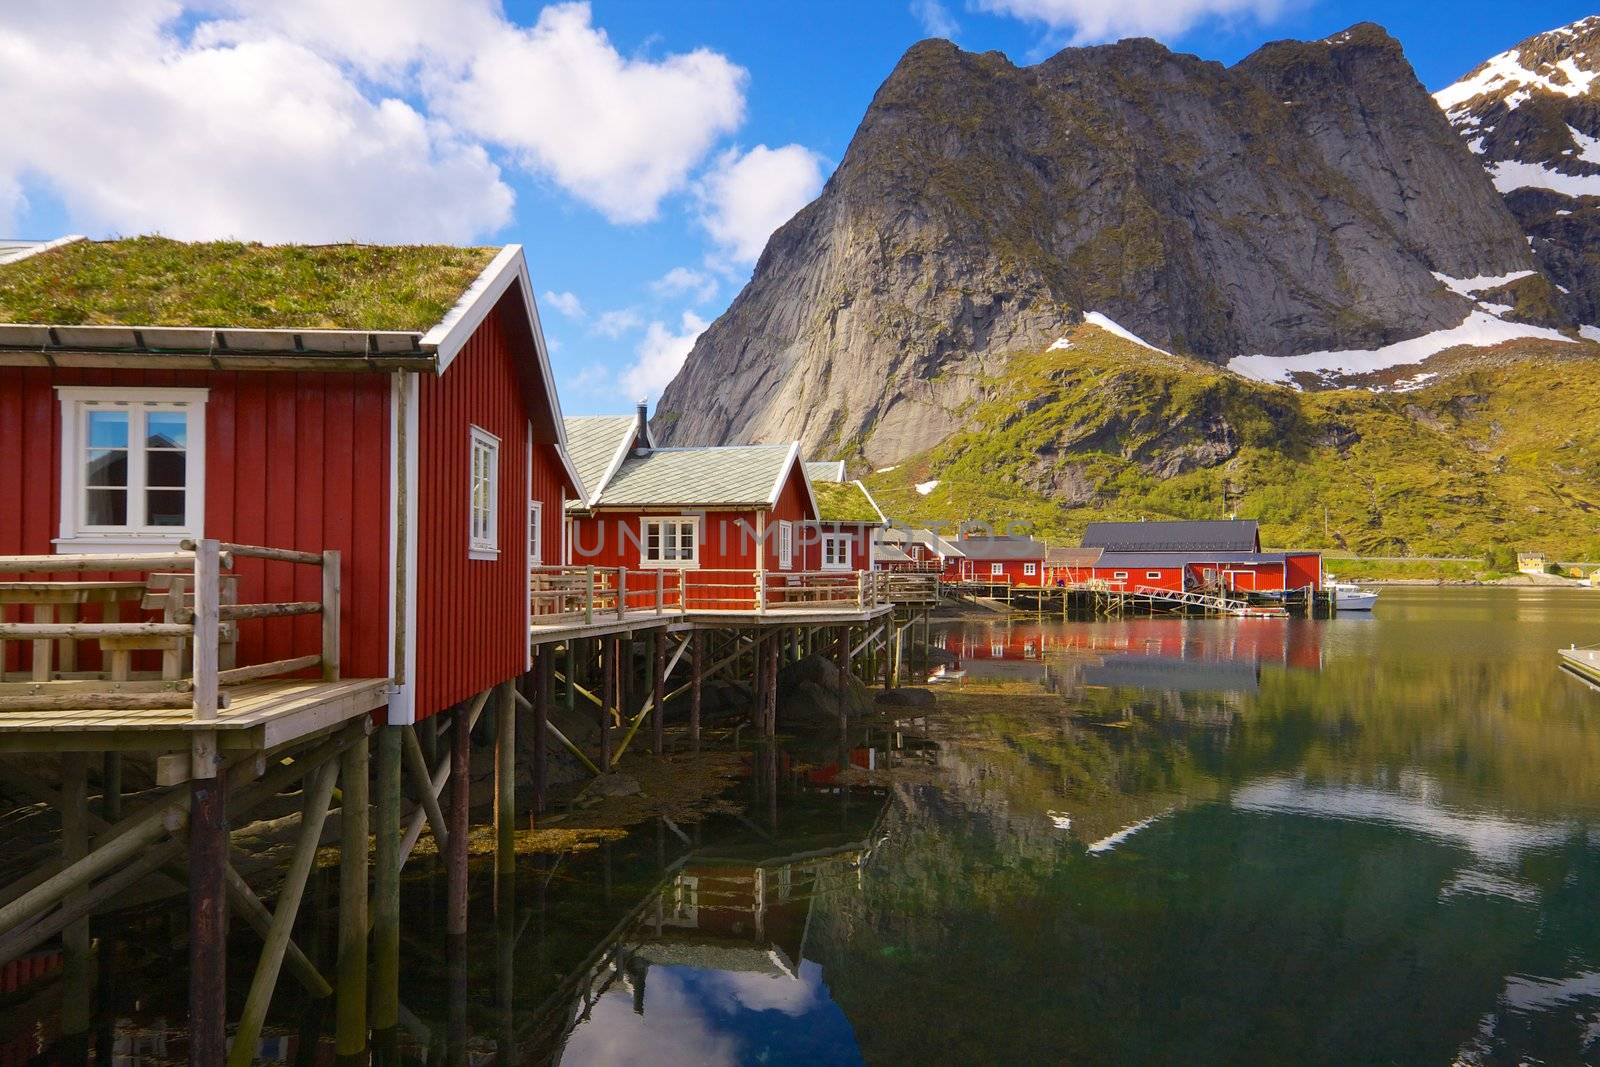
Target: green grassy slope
point(1502, 448)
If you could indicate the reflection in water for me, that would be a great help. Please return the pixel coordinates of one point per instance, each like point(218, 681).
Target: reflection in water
point(1364, 840)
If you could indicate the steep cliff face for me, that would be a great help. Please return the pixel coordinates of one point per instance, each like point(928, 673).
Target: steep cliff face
point(1306, 199)
point(1532, 116)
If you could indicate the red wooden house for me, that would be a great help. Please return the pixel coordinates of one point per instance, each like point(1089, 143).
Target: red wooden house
point(848, 522)
point(710, 528)
point(393, 404)
point(1218, 555)
point(1003, 560)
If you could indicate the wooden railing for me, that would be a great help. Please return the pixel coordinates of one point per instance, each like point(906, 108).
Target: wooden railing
point(194, 627)
point(574, 595)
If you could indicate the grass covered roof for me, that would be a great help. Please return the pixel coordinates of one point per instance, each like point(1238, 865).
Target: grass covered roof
point(154, 281)
point(844, 502)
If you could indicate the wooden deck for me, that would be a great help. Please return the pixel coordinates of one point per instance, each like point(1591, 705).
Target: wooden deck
point(1584, 662)
point(260, 716)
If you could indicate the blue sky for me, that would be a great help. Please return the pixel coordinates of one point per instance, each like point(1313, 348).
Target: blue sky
point(640, 150)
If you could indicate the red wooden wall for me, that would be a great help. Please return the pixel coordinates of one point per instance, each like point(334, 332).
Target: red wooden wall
point(472, 622)
point(293, 460)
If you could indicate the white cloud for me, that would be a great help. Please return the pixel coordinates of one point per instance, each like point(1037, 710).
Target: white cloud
point(565, 302)
point(685, 281)
point(1085, 21)
point(744, 197)
point(661, 355)
point(262, 139)
point(935, 19)
point(616, 322)
point(320, 120)
point(617, 133)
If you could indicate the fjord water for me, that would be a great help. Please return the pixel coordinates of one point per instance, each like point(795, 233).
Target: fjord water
point(1362, 840)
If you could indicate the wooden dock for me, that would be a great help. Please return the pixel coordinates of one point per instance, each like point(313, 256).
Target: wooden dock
point(1584, 662)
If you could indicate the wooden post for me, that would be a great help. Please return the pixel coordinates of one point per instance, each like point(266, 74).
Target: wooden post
point(505, 782)
point(207, 613)
point(772, 686)
point(111, 787)
point(460, 799)
point(350, 1008)
point(658, 690)
point(541, 719)
point(386, 891)
point(330, 617)
point(208, 921)
point(888, 660)
point(842, 654)
point(571, 675)
point(608, 697)
point(694, 690)
point(75, 938)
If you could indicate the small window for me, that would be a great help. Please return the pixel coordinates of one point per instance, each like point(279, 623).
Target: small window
point(836, 552)
point(132, 466)
point(484, 502)
point(1030, 569)
point(1120, 575)
point(670, 542)
point(785, 544)
point(1152, 576)
point(535, 533)
point(997, 568)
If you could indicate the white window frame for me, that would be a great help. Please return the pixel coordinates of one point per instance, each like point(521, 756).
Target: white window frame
point(996, 568)
point(483, 544)
point(1120, 576)
point(535, 533)
point(833, 541)
point(785, 544)
point(74, 533)
point(1152, 576)
point(680, 521)
point(1030, 570)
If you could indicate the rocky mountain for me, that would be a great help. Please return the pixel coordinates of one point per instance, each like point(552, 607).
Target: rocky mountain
point(1532, 115)
point(1310, 201)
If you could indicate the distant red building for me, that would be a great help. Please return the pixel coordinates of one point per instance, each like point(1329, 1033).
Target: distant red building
point(1222, 555)
point(1005, 560)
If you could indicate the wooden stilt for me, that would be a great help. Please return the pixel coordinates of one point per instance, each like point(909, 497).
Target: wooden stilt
point(460, 799)
point(772, 688)
point(319, 794)
point(111, 787)
point(541, 720)
point(208, 922)
point(694, 690)
point(571, 693)
point(350, 1007)
point(842, 652)
point(658, 690)
point(386, 887)
point(75, 938)
point(505, 782)
point(608, 697)
point(888, 660)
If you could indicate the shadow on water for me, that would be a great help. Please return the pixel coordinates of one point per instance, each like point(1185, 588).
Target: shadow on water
point(1361, 840)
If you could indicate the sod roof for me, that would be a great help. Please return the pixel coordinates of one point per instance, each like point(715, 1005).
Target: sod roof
point(154, 281)
point(844, 502)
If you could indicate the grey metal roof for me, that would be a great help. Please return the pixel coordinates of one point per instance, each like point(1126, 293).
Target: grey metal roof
point(925, 537)
point(1178, 559)
point(1072, 557)
point(888, 552)
point(825, 470)
point(1001, 548)
point(593, 441)
point(722, 476)
point(1212, 535)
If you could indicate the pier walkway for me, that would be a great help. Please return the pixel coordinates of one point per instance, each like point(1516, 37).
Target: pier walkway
point(1584, 662)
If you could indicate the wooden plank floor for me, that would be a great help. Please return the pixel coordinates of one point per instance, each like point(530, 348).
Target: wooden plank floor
point(279, 711)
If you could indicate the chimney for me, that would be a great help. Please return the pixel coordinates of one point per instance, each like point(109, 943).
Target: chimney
point(641, 429)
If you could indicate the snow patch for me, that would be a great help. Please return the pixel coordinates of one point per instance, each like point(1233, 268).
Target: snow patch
point(1506, 71)
point(927, 487)
point(1059, 343)
point(886, 470)
point(1468, 286)
point(1478, 328)
point(1515, 174)
point(1496, 310)
point(1094, 318)
point(1589, 333)
point(1059, 819)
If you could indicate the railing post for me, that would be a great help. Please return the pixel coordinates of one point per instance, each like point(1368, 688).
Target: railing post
point(622, 592)
point(588, 600)
point(761, 592)
point(207, 592)
point(330, 616)
point(861, 589)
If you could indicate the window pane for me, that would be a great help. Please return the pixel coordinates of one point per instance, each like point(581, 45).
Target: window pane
point(107, 467)
point(164, 507)
point(108, 429)
point(166, 429)
point(686, 539)
point(166, 468)
point(107, 507)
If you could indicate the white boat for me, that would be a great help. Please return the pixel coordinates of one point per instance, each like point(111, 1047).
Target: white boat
point(1348, 596)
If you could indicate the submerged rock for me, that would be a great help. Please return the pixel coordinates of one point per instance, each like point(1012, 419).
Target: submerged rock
point(906, 697)
point(608, 785)
point(809, 695)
